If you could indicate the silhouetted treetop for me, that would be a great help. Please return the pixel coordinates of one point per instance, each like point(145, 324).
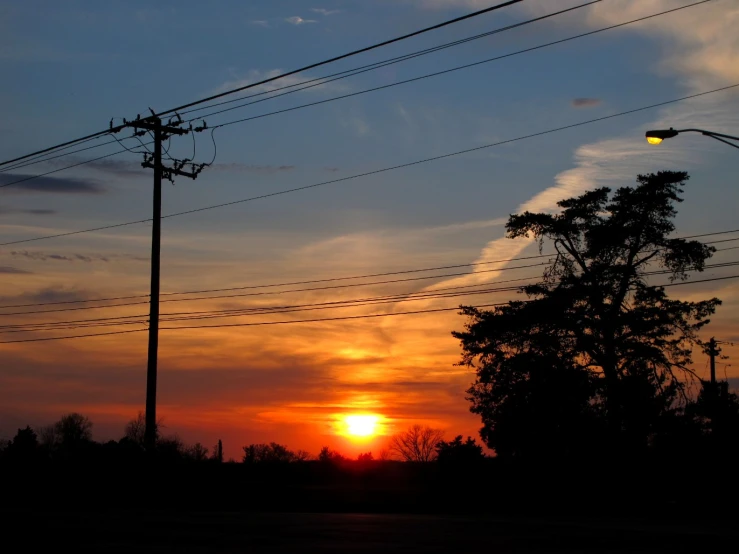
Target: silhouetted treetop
point(458, 452)
point(594, 342)
point(416, 444)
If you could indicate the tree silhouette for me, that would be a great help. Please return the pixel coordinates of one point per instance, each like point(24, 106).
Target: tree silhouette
point(326, 455)
point(198, 452)
point(24, 448)
point(416, 444)
point(365, 457)
point(594, 339)
point(458, 452)
point(135, 430)
point(268, 453)
point(218, 452)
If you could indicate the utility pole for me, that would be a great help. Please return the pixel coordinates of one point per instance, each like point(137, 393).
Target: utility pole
point(153, 125)
point(713, 351)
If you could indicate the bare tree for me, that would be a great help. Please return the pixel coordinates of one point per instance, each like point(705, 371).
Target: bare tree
point(135, 429)
point(198, 452)
point(417, 444)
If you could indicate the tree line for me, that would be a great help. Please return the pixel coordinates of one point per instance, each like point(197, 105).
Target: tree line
point(70, 439)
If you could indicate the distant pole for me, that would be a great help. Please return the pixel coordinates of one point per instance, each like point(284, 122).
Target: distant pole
point(712, 353)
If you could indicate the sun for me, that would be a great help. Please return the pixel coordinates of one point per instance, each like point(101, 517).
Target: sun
point(361, 425)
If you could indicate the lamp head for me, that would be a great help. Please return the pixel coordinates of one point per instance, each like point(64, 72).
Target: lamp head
point(657, 136)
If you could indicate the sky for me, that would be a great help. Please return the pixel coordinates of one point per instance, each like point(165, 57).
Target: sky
point(70, 67)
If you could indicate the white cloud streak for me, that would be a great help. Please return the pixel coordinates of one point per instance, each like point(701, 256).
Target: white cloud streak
point(297, 20)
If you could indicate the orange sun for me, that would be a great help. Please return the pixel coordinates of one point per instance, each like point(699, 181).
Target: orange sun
point(361, 425)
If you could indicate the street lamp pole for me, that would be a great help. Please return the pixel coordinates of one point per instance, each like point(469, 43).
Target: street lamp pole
point(658, 135)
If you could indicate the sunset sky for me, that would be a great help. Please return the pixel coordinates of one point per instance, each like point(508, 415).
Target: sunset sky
point(68, 67)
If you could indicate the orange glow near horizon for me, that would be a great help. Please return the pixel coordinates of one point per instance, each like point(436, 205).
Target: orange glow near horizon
point(361, 426)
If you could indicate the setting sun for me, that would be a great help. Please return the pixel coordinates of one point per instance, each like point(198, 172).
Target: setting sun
point(361, 425)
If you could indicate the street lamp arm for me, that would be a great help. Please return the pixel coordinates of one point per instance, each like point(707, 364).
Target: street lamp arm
point(722, 140)
point(708, 133)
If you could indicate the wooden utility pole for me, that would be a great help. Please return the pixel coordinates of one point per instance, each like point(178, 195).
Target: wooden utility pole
point(160, 133)
point(712, 353)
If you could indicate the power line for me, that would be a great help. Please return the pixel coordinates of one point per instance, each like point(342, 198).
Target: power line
point(311, 289)
point(317, 320)
point(260, 310)
point(375, 172)
point(30, 177)
point(282, 76)
point(338, 279)
point(402, 58)
point(377, 65)
point(319, 81)
point(344, 56)
point(444, 72)
point(219, 314)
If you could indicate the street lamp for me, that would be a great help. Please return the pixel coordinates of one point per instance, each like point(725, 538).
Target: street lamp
point(657, 136)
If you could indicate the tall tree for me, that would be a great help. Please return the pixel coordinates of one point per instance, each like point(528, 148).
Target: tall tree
point(594, 338)
point(416, 444)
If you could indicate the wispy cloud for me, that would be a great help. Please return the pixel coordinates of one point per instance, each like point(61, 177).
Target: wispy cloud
point(256, 76)
point(5, 210)
point(48, 294)
point(71, 257)
point(260, 23)
point(357, 124)
point(324, 11)
point(12, 270)
point(586, 102)
point(297, 20)
point(57, 185)
point(120, 168)
point(252, 168)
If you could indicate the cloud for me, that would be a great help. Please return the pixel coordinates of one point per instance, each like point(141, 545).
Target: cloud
point(296, 20)
point(324, 11)
point(358, 125)
point(586, 102)
point(4, 210)
point(252, 168)
point(260, 23)
point(256, 76)
point(57, 185)
point(72, 257)
point(121, 168)
point(12, 270)
point(48, 294)
point(44, 256)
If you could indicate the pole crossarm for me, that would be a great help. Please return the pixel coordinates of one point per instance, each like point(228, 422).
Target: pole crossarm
point(165, 129)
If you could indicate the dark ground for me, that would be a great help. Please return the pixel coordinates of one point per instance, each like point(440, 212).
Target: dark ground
point(361, 533)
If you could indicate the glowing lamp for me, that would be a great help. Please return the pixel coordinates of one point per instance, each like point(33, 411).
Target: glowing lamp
point(657, 136)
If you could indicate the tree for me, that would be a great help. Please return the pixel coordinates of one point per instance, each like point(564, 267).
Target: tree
point(717, 410)
point(365, 457)
point(198, 452)
point(268, 453)
point(326, 455)
point(458, 452)
point(24, 447)
point(74, 429)
point(218, 452)
point(594, 343)
point(135, 430)
point(416, 444)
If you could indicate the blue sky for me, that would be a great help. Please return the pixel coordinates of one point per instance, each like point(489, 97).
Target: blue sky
point(69, 67)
